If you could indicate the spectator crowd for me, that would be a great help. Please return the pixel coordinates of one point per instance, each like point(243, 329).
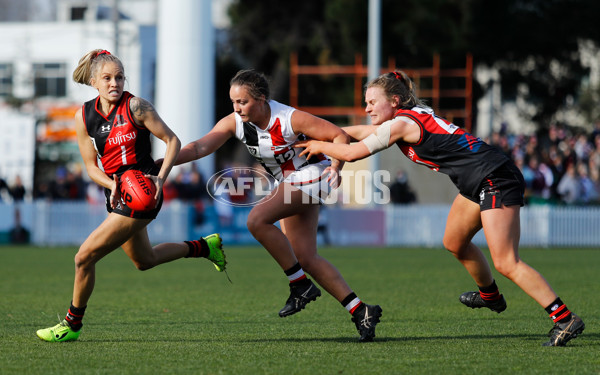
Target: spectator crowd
point(560, 165)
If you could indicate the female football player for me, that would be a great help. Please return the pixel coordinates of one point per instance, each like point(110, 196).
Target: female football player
point(115, 128)
point(268, 129)
point(490, 195)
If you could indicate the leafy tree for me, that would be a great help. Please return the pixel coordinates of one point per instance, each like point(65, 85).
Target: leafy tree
point(266, 32)
point(535, 44)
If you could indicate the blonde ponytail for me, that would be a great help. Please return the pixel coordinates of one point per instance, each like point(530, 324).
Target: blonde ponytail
point(90, 63)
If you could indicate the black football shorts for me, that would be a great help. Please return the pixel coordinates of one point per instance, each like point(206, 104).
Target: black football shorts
point(123, 210)
point(504, 186)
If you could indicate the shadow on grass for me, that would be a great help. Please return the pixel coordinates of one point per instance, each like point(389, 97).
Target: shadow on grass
point(592, 339)
point(385, 339)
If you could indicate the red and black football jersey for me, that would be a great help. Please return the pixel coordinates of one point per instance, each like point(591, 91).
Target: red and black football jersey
point(120, 143)
point(446, 148)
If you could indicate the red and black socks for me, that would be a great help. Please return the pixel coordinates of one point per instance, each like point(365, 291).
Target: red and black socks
point(490, 293)
point(74, 317)
point(197, 249)
point(558, 311)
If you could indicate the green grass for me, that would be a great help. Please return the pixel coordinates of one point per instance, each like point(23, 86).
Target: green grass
point(186, 318)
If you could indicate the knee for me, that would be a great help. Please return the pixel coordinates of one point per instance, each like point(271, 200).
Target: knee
point(145, 263)
point(255, 223)
point(83, 259)
point(143, 266)
point(454, 246)
point(308, 263)
point(505, 267)
point(252, 225)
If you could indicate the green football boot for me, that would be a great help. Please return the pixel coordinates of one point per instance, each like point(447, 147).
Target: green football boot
point(216, 255)
point(59, 333)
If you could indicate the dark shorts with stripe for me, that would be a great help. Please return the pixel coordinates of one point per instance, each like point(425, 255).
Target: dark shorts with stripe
point(123, 210)
point(504, 186)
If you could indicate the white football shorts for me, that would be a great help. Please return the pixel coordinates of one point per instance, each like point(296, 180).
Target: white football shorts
point(310, 180)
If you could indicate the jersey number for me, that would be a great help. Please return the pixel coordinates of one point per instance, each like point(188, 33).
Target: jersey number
point(285, 156)
point(124, 155)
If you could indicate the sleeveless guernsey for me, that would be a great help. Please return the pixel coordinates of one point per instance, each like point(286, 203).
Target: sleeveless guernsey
point(446, 148)
point(120, 143)
point(272, 147)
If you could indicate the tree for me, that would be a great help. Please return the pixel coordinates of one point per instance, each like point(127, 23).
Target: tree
point(266, 32)
point(535, 44)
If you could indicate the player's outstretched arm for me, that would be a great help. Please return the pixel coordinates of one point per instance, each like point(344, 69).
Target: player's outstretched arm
point(384, 135)
point(359, 132)
point(219, 134)
point(340, 151)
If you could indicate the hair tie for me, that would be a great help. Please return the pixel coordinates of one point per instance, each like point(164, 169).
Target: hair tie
point(103, 52)
point(397, 75)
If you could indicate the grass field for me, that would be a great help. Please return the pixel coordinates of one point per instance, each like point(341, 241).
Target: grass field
point(186, 318)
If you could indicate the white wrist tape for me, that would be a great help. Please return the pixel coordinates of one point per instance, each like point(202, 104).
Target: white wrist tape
point(380, 140)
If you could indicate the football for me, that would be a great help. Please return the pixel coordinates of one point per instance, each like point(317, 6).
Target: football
point(137, 191)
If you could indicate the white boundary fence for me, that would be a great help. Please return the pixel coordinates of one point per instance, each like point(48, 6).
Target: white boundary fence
point(541, 226)
point(70, 223)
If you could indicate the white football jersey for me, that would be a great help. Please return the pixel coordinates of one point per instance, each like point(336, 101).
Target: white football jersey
point(272, 147)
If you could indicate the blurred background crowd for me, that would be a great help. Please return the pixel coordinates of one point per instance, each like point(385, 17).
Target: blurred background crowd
point(561, 166)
